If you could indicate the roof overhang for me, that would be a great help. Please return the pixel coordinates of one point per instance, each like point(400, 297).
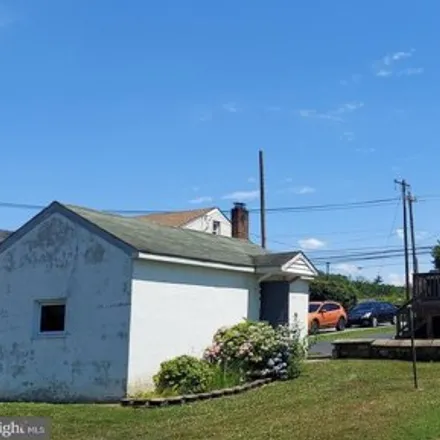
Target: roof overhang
point(191, 262)
point(297, 267)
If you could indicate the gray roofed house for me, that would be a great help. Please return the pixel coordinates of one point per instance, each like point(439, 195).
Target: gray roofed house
point(112, 296)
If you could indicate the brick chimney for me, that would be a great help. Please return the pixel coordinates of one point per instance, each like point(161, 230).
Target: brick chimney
point(240, 221)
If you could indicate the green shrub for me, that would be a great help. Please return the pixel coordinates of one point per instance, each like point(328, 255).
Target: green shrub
point(224, 377)
point(184, 375)
point(257, 349)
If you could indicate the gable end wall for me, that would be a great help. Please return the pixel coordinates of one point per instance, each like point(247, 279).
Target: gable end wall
point(59, 258)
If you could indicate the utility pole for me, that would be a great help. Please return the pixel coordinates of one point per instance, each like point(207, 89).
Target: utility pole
point(262, 202)
point(413, 348)
point(404, 186)
point(327, 267)
point(405, 199)
point(411, 200)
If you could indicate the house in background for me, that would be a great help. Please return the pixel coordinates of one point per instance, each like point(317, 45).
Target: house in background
point(209, 220)
point(91, 303)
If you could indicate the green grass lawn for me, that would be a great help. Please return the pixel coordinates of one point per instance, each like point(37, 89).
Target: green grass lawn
point(355, 333)
point(332, 400)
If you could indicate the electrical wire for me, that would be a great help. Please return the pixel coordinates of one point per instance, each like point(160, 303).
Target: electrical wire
point(393, 226)
point(285, 209)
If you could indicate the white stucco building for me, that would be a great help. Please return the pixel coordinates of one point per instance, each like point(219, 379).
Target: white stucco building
point(209, 220)
point(91, 303)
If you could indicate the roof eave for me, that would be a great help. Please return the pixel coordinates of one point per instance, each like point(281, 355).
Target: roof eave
point(142, 255)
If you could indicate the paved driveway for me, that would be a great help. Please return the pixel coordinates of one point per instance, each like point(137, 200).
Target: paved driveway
point(326, 347)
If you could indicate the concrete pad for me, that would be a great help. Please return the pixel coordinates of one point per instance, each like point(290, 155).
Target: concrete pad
point(353, 341)
point(386, 343)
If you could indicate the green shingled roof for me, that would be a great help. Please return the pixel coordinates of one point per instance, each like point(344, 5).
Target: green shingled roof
point(149, 237)
point(272, 260)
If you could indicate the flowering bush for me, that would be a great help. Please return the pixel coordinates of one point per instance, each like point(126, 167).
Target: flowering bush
point(184, 374)
point(258, 350)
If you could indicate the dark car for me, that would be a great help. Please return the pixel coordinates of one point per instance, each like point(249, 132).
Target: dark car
point(372, 313)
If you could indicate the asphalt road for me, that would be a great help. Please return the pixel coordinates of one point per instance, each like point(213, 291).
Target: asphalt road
point(325, 348)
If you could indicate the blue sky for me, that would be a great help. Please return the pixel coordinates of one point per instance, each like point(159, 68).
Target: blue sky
point(159, 105)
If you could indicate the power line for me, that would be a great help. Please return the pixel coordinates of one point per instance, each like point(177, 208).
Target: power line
point(388, 253)
point(286, 209)
point(303, 208)
point(366, 258)
point(368, 249)
point(393, 226)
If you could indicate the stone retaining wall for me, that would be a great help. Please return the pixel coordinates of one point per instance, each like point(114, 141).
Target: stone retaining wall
point(179, 400)
point(426, 349)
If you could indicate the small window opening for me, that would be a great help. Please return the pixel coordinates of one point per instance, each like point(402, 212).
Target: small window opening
point(216, 227)
point(52, 318)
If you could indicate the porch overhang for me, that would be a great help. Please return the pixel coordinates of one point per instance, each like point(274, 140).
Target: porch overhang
point(287, 266)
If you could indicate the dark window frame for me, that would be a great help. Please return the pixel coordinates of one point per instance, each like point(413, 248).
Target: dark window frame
point(52, 317)
point(216, 227)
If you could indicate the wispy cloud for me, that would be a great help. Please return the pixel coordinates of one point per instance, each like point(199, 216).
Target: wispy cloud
point(349, 107)
point(348, 136)
point(252, 180)
point(419, 235)
point(303, 190)
point(384, 68)
point(354, 79)
point(311, 113)
point(350, 269)
point(300, 189)
point(273, 108)
point(384, 73)
point(231, 107)
point(366, 150)
point(334, 114)
point(242, 196)
point(411, 71)
point(311, 243)
point(390, 59)
point(201, 199)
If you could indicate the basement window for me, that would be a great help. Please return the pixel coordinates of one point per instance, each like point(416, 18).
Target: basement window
point(216, 227)
point(52, 317)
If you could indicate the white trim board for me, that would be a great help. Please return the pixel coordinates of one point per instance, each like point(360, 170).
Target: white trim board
point(190, 262)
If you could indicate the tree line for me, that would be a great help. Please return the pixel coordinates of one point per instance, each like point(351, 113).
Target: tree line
point(349, 291)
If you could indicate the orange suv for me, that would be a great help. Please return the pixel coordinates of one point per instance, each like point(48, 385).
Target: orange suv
point(326, 314)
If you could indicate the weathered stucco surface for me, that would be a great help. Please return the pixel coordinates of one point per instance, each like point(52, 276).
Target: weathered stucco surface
point(176, 310)
point(299, 305)
point(61, 259)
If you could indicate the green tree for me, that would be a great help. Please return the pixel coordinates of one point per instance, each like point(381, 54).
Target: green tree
point(348, 292)
point(436, 255)
point(336, 288)
point(378, 280)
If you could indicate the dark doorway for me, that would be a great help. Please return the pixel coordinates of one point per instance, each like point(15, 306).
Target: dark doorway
point(274, 302)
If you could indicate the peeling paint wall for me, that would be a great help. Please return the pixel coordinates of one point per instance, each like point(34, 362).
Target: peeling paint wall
point(177, 309)
point(60, 259)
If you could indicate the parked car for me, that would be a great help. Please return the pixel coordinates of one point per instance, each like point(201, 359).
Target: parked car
point(372, 313)
point(326, 314)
